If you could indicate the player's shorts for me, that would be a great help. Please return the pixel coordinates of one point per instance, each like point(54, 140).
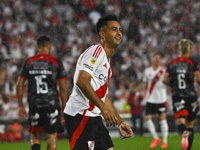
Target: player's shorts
point(152, 108)
point(47, 119)
point(186, 107)
point(87, 133)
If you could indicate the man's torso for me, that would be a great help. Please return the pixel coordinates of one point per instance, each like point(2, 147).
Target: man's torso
point(42, 72)
point(156, 90)
point(94, 61)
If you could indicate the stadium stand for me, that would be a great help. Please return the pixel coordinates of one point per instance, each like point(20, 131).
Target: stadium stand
point(148, 26)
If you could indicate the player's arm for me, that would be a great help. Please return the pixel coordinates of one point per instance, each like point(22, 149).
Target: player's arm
point(166, 78)
point(84, 85)
point(110, 105)
point(63, 92)
point(197, 76)
point(125, 130)
point(144, 86)
point(19, 89)
point(63, 96)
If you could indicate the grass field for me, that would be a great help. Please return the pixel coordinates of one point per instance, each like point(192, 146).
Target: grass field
point(134, 143)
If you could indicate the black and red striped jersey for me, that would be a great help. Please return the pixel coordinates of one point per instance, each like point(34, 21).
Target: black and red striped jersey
point(181, 76)
point(42, 72)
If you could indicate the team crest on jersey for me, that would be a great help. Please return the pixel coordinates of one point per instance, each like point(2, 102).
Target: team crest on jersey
point(93, 60)
point(91, 145)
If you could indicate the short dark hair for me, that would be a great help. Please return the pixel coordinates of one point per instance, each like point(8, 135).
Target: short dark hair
point(103, 22)
point(43, 41)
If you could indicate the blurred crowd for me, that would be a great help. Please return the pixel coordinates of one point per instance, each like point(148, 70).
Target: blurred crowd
point(149, 26)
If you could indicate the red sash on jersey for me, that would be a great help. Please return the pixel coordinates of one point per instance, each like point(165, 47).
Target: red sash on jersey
point(153, 83)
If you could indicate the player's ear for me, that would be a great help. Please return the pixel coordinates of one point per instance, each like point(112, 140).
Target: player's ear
point(102, 34)
point(37, 48)
point(50, 45)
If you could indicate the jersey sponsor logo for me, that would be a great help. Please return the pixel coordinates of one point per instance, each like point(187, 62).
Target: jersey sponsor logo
point(182, 69)
point(102, 77)
point(89, 67)
point(93, 60)
point(105, 65)
point(91, 145)
point(40, 72)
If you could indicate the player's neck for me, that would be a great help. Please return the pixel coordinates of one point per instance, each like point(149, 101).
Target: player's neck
point(185, 55)
point(44, 51)
point(155, 67)
point(108, 49)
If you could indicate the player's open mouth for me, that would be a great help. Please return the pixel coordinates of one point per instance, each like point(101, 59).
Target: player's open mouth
point(118, 38)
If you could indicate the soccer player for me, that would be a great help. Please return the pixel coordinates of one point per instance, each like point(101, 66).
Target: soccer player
point(156, 100)
point(180, 75)
point(43, 72)
point(89, 99)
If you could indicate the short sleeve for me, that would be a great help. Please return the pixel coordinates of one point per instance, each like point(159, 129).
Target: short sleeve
point(196, 66)
point(89, 61)
point(24, 71)
point(61, 71)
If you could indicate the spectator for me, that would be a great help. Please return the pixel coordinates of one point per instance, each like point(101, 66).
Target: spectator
point(134, 100)
point(7, 136)
point(120, 101)
point(167, 22)
point(16, 129)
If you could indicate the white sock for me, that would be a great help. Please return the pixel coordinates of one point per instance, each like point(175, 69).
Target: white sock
point(164, 130)
point(152, 128)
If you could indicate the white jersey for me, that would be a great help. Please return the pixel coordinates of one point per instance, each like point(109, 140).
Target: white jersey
point(94, 61)
point(156, 89)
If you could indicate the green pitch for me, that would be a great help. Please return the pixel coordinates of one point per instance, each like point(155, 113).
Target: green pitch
point(134, 143)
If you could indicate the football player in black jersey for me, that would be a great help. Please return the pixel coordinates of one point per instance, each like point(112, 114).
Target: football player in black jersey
point(43, 72)
point(180, 76)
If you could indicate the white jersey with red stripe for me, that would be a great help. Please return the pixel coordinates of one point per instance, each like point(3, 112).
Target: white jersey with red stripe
point(94, 61)
point(156, 89)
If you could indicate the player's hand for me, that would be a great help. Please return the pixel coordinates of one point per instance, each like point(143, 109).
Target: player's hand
point(109, 116)
point(125, 130)
point(62, 119)
point(22, 113)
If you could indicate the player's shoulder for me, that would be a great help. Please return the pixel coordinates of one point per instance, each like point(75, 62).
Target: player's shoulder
point(173, 61)
point(147, 69)
point(58, 59)
point(194, 59)
point(29, 59)
point(95, 50)
point(163, 68)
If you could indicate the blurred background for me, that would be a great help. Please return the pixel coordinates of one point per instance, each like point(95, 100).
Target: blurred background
point(149, 26)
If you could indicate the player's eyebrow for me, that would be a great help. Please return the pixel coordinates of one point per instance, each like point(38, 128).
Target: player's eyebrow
point(120, 29)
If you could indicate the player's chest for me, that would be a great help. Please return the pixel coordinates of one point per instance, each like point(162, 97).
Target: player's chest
point(154, 76)
point(103, 72)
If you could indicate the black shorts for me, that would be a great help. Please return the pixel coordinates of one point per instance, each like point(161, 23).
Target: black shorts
point(186, 107)
point(152, 108)
point(47, 119)
point(87, 133)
